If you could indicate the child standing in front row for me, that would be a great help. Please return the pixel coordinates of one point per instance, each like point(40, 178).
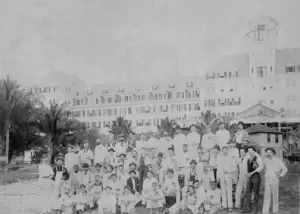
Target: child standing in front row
point(127, 201)
point(81, 200)
point(156, 198)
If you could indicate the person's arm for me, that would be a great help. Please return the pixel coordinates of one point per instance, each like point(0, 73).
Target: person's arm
point(283, 168)
point(66, 174)
point(260, 165)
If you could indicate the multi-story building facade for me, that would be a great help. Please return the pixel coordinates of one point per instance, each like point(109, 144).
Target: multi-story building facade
point(59, 87)
point(141, 103)
point(264, 75)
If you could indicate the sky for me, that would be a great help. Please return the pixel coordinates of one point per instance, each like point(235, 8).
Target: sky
point(116, 40)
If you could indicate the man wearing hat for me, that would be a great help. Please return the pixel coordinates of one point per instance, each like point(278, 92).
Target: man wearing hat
point(60, 176)
point(274, 170)
point(111, 157)
point(254, 167)
point(184, 157)
point(193, 173)
point(240, 135)
point(100, 152)
point(225, 174)
point(171, 189)
point(107, 203)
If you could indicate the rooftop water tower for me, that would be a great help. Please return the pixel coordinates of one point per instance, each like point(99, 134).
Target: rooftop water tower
point(262, 37)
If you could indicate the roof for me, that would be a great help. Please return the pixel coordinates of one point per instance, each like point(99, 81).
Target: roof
point(258, 128)
point(259, 110)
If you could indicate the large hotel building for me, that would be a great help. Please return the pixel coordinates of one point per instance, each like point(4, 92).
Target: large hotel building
point(264, 75)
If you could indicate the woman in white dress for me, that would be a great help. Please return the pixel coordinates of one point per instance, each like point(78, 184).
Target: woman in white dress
point(45, 182)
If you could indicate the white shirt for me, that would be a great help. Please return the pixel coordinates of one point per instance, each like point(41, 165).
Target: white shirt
point(193, 138)
point(86, 156)
point(209, 140)
point(214, 196)
point(120, 148)
point(171, 186)
point(100, 153)
point(240, 136)
point(223, 136)
point(242, 163)
point(179, 140)
point(227, 163)
point(234, 152)
point(70, 160)
point(274, 166)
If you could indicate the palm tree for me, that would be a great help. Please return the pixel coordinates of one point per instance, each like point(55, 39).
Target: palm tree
point(167, 125)
point(11, 97)
point(121, 126)
point(208, 119)
point(48, 124)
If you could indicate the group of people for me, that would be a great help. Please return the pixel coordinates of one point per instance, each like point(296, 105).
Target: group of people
point(163, 173)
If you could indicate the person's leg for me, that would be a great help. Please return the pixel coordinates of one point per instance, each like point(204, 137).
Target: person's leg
point(229, 192)
point(247, 196)
point(238, 194)
point(275, 193)
point(256, 188)
point(223, 193)
point(267, 197)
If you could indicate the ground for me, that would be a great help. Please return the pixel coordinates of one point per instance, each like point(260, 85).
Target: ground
point(19, 193)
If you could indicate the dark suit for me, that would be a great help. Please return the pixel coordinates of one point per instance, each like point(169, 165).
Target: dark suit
point(137, 184)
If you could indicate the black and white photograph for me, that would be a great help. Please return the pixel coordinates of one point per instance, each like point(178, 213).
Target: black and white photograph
point(149, 107)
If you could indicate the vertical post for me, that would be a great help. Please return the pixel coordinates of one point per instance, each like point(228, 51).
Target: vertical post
point(7, 144)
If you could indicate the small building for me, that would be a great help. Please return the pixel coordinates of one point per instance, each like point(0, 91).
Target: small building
point(266, 137)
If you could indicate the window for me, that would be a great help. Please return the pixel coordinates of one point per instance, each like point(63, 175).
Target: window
point(261, 32)
point(276, 138)
point(271, 101)
point(268, 138)
point(261, 72)
point(229, 74)
point(97, 100)
point(290, 68)
point(271, 68)
point(77, 93)
point(264, 88)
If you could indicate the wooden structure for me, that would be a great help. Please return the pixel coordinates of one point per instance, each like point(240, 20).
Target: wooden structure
point(259, 114)
point(266, 137)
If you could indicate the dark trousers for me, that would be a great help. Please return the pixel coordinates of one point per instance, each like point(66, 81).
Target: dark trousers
point(215, 176)
point(252, 185)
point(143, 173)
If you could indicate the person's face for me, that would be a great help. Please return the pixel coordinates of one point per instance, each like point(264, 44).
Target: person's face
point(111, 152)
point(132, 175)
point(108, 191)
point(240, 127)
point(177, 131)
point(121, 168)
point(59, 162)
point(98, 169)
point(196, 185)
point(143, 137)
point(149, 175)
point(191, 189)
point(251, 151)
point(185, 149)
point(114, 178)
point(225, 151)
point(69, 149)
point(45, 160)
point(166, 134)
point(231, 145)
point(121, 139)
point(97, 179)
point(208, 130)
point(154, 186)
point(213, 186)
point(134, 154)
point(270, 154)
point(170, 175)
point(130, 135)
point(126, 191)
point(214, 151)
point(170, 152)
point(76, 169)
point(153, 151)
point(132, 167)
point(222, 126)
point(122, 157)
point(85, 146)
point(192, 165)
point(242, 151)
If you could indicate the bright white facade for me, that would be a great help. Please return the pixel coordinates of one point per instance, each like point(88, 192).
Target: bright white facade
point(264, 75)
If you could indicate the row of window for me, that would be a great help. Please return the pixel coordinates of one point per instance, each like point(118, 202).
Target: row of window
point(222, 102)
point(162, 96)
point(138, 110)
point(224, 75)
point(51, 89)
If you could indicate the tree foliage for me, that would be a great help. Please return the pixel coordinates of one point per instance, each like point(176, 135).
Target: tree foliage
point(121, 126)
point(167, 125)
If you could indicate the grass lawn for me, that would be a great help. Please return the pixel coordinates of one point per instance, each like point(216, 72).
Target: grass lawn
point(288, 199)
